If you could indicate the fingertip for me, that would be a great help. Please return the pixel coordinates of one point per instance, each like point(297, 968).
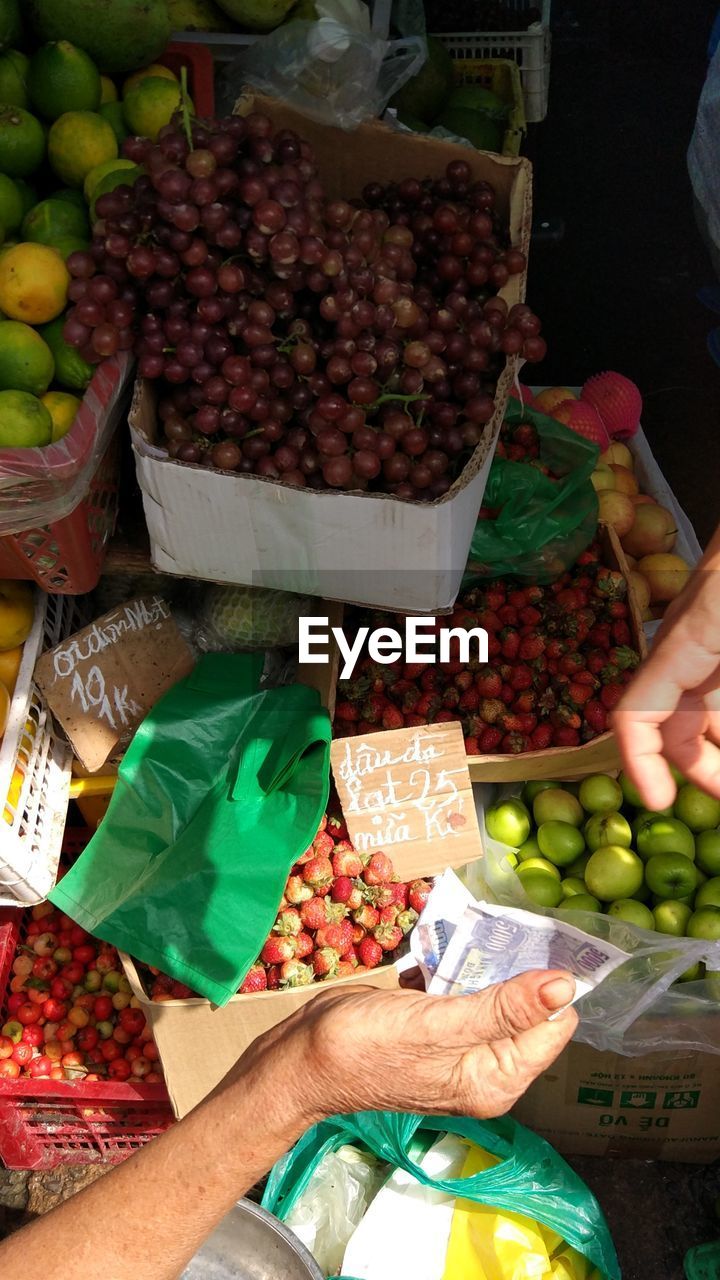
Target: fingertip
point(557, 993)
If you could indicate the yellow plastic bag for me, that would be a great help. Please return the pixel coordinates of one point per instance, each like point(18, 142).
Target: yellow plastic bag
point(492, 1244)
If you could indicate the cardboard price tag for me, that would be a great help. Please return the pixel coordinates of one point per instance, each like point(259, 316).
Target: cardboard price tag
point(408, 792)
point(101, 682)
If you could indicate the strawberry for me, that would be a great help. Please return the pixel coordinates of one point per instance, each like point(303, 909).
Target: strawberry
point(412, 721)
point(529, 616)
point(346, 861)
point(346, 710)
point(297, 891)
point(444, 717)
point(570, 663)
point(579, 694)
point(490, 740)
point(358, 934)
point(566, 737)
point(508, 615)
point(318, 873)
point(596, 660)
point(323, 844)
point(451, 698)
point(367, 916)
point(531, 647)
point(515, 743)
point(389, 914)
point(304, 945)
point(370, 953)
point(510, 645)
point(278, 950)
point(337, 827)
point(507, 693)
point(407, 920)
point(400, 893)
point(525, 701)
point(624, 658)
point(325, 962)
point(313, 914)
point(621, 633)
point(489, 621)
point(255, 980)
point(599, 635)
point(288, 923)
point(389, 936)
point(521, 678)
point(418, 894)
point(413, 670)
point(293, 973)
point(273, 978)
point(488, 684)
point(380, 895)
point(510, 723)
point(373, 707)
point(494, 646)
point(464, 681)
point(610, 695)
point(472, 746)
point(528, 721)
point(427, 706)
point(618, 609)
point(541, 738)
point(379, 869)
point(555, 648)
point(563, 717)
point(469, 700)
point(337, 936)
point(596, 716)
point(342, 889)
point(495, 596)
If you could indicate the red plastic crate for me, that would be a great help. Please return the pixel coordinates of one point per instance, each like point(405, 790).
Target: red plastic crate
point(200, 72)
point(65, 557)
point(46, 1123)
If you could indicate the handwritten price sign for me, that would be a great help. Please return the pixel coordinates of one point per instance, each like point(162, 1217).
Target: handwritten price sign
point(409, 793)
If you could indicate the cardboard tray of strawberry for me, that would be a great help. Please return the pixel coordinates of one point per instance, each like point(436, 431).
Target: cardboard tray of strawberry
point(560, 657)
point(342, 917)
point(95, 1095)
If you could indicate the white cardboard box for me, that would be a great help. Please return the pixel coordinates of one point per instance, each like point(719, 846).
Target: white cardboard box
point(370, 548)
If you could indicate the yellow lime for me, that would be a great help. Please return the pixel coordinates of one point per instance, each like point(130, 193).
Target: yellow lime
point(24, 421)
point(22, 142)
point(11, 204)
point(100, 171)
point(78, 142)
point(63, 78)
point(62, 408)
point(13, 78)
point(33, 283)
point(108, 92)
point(52, 219)
point(26, 362)
point(151, 105)
point(10, 660)
point(156, 69)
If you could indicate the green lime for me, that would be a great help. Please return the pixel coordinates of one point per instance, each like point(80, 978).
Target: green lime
point(71, 370)
point(78, 141)
point(63, 78)
point(13, 78)
point(26, 362)
point(24, 421)
point(151, 105)
point(101, 171)
point(71, 196)
point(118, 178)
point(53, 220)
point(28, 194)
point(115, 116)
point(11, 204)
point(65, 245)
point(22, 142)
point(10, 23)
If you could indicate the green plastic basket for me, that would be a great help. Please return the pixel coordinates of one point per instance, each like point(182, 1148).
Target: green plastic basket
point(703, 1262)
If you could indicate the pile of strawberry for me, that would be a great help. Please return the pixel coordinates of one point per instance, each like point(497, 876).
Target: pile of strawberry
point(342, 913)
point(70, 1013)
point(519, 443)
point(560, 657)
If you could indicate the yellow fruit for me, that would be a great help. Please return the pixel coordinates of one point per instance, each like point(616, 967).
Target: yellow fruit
point(63, 409)
point(602, 477)
point(13, 794)
point(151, 105)
point(17, 609)
point(654, 530)
point(101, 171)
point(108, 92)
point(77, 143)
point(156, 69)
point(549, 399)
point(619, 453)
point(666, 574)
point(625, 481)
point(616, 509)
point(33, 283)
point(10, 660)
point(5, 701)
point(24, 422)
point(640, 587)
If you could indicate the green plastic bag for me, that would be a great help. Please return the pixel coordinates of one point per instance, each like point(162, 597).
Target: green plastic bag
point(543, 524)
point(222, 788)
point(532, 1178)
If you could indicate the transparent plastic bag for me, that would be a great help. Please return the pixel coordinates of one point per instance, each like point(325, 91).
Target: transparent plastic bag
point(327, 1213)
point(39, 486)
point(335, 70)
point(634, 1011)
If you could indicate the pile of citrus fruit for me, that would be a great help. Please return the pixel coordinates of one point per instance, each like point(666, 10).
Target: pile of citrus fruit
point(61, 126)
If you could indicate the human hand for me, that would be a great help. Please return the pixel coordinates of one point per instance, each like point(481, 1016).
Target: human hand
point(671, 710)
point(369, 1050)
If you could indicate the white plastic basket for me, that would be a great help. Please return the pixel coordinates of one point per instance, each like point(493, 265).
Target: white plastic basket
point(531, 50)
point(34, 769)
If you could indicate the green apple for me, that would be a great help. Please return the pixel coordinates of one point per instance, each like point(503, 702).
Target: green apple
point(630, 791)
point(642, 894)
point(613, 872)
point(698, 810)
point(512, 860)
point(543, 888)
point(671, 917)
point(508, 822)
point(533, 789)
point(688, 900)
point(599, 793)
point(538, 864)
point(709, 894)
point(577, 868)
point(705, 923)
point(671, 874)
point(664, 835)
point(529, 849)
point(572, 885)
point(557, 805)
point(693, 974)
point(633, 912)
point(607, 828)
point(707, 852)
point(642, 816)
point(561, 842)
point(580, 902)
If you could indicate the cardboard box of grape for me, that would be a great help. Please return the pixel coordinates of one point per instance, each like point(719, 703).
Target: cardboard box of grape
point(591, 846)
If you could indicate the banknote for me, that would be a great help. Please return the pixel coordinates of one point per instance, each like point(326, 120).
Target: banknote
point(431, 936)
point(490, 944)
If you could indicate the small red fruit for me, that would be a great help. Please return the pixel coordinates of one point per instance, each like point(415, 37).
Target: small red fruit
point(255, 980)
point(379, 870)
point(370, 953)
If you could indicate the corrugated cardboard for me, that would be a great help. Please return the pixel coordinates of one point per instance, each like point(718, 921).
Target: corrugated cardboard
point(372, 548)
point(408, 792)
point(659, 1107)
point(182, 1028)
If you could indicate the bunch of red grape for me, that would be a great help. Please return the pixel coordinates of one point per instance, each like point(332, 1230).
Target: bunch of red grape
point(323, 343)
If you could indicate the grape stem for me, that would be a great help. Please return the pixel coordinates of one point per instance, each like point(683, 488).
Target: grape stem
point(393, 396)
point(185, 107)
